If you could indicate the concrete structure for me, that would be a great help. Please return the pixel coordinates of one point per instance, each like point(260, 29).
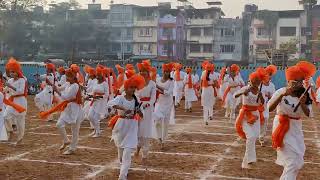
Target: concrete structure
point(145, 32)
point(171, 35)
point(228, 40)
point(315, 15)
point(199, 32)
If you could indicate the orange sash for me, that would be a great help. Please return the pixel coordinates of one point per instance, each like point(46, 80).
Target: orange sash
point(247, 110)
point(112, 122)
point(281, 130)
point(204, 82)
point(189, 81)
point(61, 106)
point(177, 75)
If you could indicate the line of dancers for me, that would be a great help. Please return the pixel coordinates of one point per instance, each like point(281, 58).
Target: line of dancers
point(140, 105)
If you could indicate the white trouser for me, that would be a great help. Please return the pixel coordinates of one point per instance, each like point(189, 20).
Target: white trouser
point(187, 104)
point(124, 155)
point(178, 98)
point(291, 162)
point(250, 154)
point(144, 144)
point(264, 127)
point(20, 122)
point(207, 113)
point(94, 119)
point(162, 129)
point(75, 133)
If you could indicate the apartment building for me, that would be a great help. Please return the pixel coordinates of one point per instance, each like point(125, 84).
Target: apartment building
point(145, 32)
point(228, 40)
point(315, 15)
point(199, 32)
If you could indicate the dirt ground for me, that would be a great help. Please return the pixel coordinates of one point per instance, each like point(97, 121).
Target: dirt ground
point(193, 151)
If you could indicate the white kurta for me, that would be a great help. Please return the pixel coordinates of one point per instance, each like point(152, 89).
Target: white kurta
point(44, 99)
point(267, 91)
point(99, 106)
point(89, 91)
point(3, 131)
point(146, 125)
point(164, 103)
point(22, 101)
point(230, 101)
point(290, 156)
point(73, 112)
point(178, 86)
point(190, 93)
point(251, 131)
point(207, 97)
point(125, 131)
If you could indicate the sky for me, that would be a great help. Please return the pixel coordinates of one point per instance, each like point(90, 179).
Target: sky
point(231, 8)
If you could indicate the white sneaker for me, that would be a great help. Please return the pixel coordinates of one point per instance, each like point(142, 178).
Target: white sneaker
point(68, 152)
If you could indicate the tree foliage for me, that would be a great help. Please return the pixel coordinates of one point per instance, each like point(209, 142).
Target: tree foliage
point(290, 47)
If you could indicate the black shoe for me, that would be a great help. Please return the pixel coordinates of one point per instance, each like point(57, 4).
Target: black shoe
point(207, 123)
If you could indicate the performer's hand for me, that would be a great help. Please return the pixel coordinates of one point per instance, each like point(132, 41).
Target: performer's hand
point(303, 99)
point(246, 92)
point(288, 91)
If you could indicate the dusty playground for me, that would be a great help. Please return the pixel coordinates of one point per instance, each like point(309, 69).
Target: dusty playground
point(193, 151)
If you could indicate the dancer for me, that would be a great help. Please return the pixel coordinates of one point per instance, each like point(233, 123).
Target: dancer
point(267, 90)
point(17, 86)
point(45, 99)
point(291, 103)
point(233, 84)
point(3, 131)
point(189, 90)
point(120, 79)
point(147, 96)
point(90, 83)
point(250, 115)
point(178, 77)
point(125, 124)
point(208, 98)
point(164, 104)
point(99, 99)
point(71, 112)
point(62, 76)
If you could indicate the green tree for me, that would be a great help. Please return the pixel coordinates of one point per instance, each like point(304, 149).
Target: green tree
point(290, 47)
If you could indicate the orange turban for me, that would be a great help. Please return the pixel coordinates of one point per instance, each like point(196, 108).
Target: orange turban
point(119, 69)
point(259, 74)
point(294, 73)
point(209, 67)
point(71, 73)
point(89, 70)
point(136, 81)
point(271, 70)
point(130, 73)
point(14, 65)
point(61, 70)
point(204, 63)
point(177, 66)
point(129, 67)
point(75, 68)
point(99, 71)
point(167, 67)
point(51, 67)
point(234, 68)
point(144, 65)
point(307, 68)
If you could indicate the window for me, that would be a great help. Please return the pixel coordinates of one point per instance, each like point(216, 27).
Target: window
point(195, 32)
point(208, 31)
point(195, 48)
point(129, 33)
point(116, 47)
point(287, 31)
point(129, 48)
point(207, 48)
point(145, 32)
point(145, 47)
point(167, 32)
point(227, 32)
point(141, 32)
point(262, 32)
point(229, 48)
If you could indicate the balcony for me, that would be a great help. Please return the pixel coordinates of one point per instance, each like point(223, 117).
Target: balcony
point(145, 21)
point(199, 22)
point(201, 39)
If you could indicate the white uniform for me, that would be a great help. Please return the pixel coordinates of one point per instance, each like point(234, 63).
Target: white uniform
point(189, 93)
point(251, 131)
point(290, 156)
point(231, 102)
point(125, 133)
point(10, 114)
point(44, 99)
point(98, 109)
point(178, 87)
point(146, 131)
point(163, 109)
point(72, 115)
point(267, 91)
point(86, 106)
point(3, 131)
point(208, 100)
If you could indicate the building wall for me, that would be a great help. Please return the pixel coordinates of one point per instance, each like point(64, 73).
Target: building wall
point(224, 42)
